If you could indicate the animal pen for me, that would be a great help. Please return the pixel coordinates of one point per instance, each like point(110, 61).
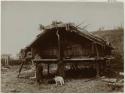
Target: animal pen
point(65, 43)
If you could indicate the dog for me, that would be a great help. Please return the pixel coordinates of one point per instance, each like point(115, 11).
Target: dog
point(59, 79)
point(121, 73)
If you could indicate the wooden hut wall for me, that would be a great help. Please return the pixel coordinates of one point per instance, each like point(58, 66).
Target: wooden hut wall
point(72, 50)
point(49, 52)
point(82, 50)
point(75, 46)
point(46, 51)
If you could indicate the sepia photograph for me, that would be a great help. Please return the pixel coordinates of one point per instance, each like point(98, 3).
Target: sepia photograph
point(62, 47)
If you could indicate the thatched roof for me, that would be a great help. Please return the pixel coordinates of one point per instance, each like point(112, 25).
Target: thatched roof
point(71, 28)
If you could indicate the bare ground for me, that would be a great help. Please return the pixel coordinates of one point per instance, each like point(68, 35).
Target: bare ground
point(10, 83)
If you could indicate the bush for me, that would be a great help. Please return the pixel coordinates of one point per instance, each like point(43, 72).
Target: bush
point(118, 62)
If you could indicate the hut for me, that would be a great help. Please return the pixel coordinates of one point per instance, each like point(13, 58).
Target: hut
point(65, 43)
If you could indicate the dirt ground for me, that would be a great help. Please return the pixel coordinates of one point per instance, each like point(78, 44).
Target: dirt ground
point(10, 83)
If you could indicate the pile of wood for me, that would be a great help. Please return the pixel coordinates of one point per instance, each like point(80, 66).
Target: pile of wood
point(115, 83)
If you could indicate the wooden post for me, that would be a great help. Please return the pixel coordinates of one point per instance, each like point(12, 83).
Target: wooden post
point(60, 70)
point(97, 52)
point(39, 72)
point(48, 68)
point(103, 66)
point(6, 60)
point(59, 45)
point(32, 52)
point(92, 49)
point(96, 61)
point(22, 63)
point(97, 69)
point(103, 51)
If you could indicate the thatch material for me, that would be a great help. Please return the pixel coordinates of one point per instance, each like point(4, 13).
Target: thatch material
point(70, 27)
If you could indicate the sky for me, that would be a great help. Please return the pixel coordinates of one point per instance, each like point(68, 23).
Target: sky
point(20, 20)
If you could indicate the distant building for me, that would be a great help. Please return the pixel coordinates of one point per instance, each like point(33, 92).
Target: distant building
point(5, 58)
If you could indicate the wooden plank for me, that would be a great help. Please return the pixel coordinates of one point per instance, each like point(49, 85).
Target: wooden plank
point(45, 60)
point(71, 59)
point(79, 59)
point(83, 59)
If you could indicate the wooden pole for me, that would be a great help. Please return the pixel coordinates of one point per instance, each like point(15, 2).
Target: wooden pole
point(20, 68)
point(97, 52)
point(48, 68)
point(7, 60)
point(92, 49)
point(39, 72)
point(59, 45)
point(60, 70)
point(97, 63)
point(32, 52)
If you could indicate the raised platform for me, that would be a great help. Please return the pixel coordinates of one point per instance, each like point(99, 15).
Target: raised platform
point(70, 59)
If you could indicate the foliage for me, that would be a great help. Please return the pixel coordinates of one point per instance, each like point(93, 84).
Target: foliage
point(116, 38)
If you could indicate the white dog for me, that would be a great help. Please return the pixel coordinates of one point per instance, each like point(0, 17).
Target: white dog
point(121, 73)
point(59, 79)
